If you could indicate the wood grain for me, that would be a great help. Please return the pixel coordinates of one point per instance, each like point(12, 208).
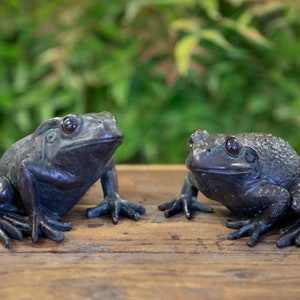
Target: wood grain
point(154, 258)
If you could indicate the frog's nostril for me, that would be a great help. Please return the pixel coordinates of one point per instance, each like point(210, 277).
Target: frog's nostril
point(101, 122)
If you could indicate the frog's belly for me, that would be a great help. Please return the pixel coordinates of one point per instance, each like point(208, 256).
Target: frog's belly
point(239, 205)
point(59, 201)
point(232, 195)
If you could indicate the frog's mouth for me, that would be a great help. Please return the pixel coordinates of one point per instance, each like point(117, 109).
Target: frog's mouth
point(111, 140)
point(235, 169)
point(95, 142)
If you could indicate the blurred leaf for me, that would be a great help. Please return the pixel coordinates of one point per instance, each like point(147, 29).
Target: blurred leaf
point(216, 38)
point(120, 92)
point(266, 8)
point(183, 52)
point(212, 8)
point(258, 105)
point(245, 18)
point(254, 36)
point(238, 60)
point(21, 77)
point(186, 25)
point(250, 34)
point(23, 120)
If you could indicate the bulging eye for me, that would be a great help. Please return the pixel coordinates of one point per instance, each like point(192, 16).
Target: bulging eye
point(233, 147)
point(69, 124)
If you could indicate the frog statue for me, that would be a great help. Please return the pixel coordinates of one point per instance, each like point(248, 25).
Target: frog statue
point(254, 175)
point(45, 174)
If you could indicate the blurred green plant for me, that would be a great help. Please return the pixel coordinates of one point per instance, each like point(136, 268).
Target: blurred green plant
point(164, 68)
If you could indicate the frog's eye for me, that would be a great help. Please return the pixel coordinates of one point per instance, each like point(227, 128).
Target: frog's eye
point(69, 124)
point(232, 146)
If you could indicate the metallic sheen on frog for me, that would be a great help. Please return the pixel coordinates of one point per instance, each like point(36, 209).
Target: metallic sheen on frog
point(255, 175)
point(45, 174)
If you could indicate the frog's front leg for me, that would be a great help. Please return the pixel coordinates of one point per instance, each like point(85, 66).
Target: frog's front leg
point(28, 177)
point(186, 202)
point(113, 204)
point(277, 201)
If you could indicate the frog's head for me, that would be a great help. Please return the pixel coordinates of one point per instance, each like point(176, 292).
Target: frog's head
point(79, 137)
point(221, 154)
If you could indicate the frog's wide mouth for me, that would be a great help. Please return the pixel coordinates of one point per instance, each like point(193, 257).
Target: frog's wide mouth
point(117, 140)
point(111, 139)
point(235, 169)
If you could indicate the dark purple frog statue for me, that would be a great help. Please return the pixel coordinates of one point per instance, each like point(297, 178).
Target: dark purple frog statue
point(45, 174)
point(255, 175)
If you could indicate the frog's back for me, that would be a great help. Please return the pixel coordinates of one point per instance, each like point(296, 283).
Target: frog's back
point(279, 161)
point(13, 156)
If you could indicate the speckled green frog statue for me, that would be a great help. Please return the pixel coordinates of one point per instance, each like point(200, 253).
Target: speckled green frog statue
point(254, 175)
point(45, 174)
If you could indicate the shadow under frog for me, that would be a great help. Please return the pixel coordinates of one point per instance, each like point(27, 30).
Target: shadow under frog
point(46, 173)
point(254, 175)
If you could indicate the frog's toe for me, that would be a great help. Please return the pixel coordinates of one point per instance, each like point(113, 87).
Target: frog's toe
point(254, 229)
point(58, 225)
point(171, 208)
point(97, 211)
point(285, 241)
point(128, 212)
point(5, 240)
point(297, 241)
point(115, 206)
point(187, 205)
point(8, 231)
point(52, 234)
point(289, 238)
point(166, 205)
point(255, 236)
point(123, 207)
point(137, 208)
point(40, 225)
point(201, 207)
point(11, 230)
point(283, 231)
point(236, 224)
point(19, 222)
point(238, 234)
point(175, 206)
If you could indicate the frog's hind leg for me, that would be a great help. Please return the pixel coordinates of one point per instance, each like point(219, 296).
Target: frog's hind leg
point(291, 234)
point(10, 227)
point(277, 209)
point(6, 191)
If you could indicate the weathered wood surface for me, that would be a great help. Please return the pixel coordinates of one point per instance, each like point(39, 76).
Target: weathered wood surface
point(154, 258)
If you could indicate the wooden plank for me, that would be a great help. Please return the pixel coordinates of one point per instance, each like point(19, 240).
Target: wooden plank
point(154, 258)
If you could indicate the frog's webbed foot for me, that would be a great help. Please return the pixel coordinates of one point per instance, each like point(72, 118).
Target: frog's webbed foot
point(12, 226)
point(249, 227)
point(116, 206)
point(289, 235)
point(185, 204)
point(48, 226)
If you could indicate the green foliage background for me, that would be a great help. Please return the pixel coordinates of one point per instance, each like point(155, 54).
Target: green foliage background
point(164, 68)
